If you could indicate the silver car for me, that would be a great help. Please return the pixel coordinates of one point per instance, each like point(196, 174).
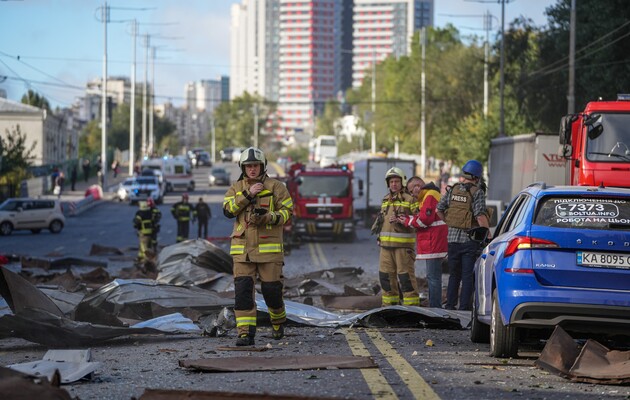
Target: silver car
point(32, 214)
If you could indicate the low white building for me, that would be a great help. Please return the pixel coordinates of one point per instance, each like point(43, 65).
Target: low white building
point(55, 139)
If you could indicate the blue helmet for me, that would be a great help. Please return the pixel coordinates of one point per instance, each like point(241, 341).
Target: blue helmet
point(474, 168)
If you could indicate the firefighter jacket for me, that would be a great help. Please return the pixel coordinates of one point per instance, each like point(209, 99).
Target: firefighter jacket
point(251, 242)
point(459, 213)
point(431, 231)
point(182, 211)
point(157, 216)
point(143, 222)
point(394, 234)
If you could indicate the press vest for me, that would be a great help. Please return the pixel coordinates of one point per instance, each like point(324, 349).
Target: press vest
point(459, 213)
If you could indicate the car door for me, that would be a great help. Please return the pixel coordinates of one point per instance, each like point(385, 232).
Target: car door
point(25, 217)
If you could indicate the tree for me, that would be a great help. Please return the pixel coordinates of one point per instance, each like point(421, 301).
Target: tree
point(326, 123)
point(15, 158)
point(34, 99)
point(234, 121)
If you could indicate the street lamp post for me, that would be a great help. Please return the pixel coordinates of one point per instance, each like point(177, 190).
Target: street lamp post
point(373, 99)
point(132, 111)
point(103, 171)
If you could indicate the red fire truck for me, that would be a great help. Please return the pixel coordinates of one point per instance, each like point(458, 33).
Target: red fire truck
point(595, 143)
point(322, 202)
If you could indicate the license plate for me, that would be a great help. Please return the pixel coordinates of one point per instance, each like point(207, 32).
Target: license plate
point(325, 225)
point(603, 260)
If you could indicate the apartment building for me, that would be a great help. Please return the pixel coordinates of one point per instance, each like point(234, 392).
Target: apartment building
point(383, 28)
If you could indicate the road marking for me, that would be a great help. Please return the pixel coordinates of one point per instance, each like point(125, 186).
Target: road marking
point(419, 388)
point(317, 256)
point(375, 380)
point(313, 253)
point(322, 257)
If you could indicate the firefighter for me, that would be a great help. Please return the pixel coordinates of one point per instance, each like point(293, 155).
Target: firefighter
point(157, 216)
point(260, 206)
point(182, 211)
point(463, 207)
point(398, 243)
point(143, 223)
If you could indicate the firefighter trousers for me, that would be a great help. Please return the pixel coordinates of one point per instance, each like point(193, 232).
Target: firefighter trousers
point(145, 244)
point(244, 297)
point(397, 267)
point(182, 230)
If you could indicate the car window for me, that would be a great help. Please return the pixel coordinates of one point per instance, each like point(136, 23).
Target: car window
point(42, 205)
point(10, 205)
point(510, 214)
point(584, 212)
point(27, 205)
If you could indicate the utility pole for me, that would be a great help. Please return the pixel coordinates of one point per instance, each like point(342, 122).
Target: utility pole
point(373, 99)
point(132, 111)
point(502, 84)
point(486, 89)
point(151, 101)
point(214, 145)
point(571, 95)
point(144, 95)
point(423, 153)
point(104, 101)
point(256, 125)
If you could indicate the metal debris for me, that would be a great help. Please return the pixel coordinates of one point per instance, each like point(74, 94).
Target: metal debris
point(72, 365)
point(285, 363)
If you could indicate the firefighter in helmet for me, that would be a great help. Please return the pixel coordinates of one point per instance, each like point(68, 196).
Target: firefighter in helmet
point(182, 211)
point(157, 216)
point(143, 224)
point(397, 241)
point(260, 207)
point(463, 208)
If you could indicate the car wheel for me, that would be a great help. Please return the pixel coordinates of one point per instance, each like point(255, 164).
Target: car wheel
point(479, 332)
point(503, 339)
point(36, 231)
point(56, 226)
point(6, 228)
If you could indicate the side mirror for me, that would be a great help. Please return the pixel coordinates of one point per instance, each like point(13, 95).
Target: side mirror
point(565, 151)
point(564, 135)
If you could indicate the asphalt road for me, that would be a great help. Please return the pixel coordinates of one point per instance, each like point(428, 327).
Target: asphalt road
point(412, 363)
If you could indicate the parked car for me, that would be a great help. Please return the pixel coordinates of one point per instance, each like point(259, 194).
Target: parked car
point(144, 187)
point(226, 154)
point(157, 173)
point(560, 256)
point(218, 176)
point(124, 188)
point(33, 214)
point(203, 158)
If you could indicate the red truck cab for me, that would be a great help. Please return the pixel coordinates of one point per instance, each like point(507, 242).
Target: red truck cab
point(322, 202)
point(595, 144)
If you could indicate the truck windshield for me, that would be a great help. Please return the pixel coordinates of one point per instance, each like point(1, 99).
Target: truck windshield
point(324, 186)
point(612, 144)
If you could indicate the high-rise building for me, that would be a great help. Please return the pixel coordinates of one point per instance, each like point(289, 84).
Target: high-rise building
point(384, 28)
point(204, 95)
point(310, 63)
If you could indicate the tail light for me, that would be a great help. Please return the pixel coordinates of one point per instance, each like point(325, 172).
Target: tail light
point(526, 242)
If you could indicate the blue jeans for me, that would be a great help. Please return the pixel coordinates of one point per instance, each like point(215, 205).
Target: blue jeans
point(461, 265)
point(433, 269)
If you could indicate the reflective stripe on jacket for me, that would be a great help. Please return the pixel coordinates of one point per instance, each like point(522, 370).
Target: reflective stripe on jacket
point(258, 243)
point(393, 234)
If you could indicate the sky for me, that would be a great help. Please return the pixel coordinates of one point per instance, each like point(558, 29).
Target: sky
point(55, 46)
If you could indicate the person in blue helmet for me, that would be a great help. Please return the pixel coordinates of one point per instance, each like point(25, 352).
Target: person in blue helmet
point(463, 208)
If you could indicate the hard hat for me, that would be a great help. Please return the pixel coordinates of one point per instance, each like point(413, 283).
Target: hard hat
point(473, 168)
point(253, 155)
point(395, 171)
point(185, 196)
point(150, 202)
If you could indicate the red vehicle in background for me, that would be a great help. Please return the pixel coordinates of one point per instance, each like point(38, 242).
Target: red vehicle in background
point(322, 202)
point(595, 144)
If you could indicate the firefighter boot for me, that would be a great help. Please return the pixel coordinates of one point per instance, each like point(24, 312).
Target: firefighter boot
point(277, 331)
point(246, 339)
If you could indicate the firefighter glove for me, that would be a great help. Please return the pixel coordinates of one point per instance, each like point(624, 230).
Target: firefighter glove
point(261, 219)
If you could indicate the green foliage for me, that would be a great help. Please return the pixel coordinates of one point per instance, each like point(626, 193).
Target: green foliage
point(234, 121)
point(326, 123)
point(15, 157)
point(34, 99)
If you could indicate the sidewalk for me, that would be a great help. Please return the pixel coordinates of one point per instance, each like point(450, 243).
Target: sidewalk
point(70, 199)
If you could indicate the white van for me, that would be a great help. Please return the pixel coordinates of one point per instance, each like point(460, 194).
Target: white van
point(177, 172)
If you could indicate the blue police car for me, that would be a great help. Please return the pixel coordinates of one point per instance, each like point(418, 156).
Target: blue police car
point(560, 256)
